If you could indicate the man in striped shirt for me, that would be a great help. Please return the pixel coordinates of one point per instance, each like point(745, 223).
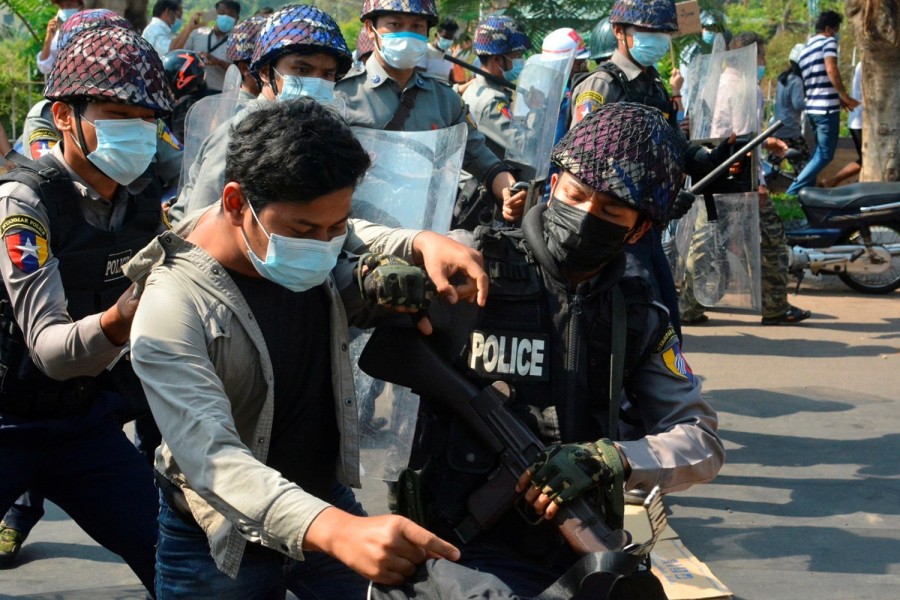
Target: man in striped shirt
point(825, 95)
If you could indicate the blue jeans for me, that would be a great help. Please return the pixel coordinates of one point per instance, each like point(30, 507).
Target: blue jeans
point(185, 568)
point(827, 130)
point(88, 467)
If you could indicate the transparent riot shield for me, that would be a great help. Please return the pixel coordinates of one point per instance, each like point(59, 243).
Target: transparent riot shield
point(413, 178)
point(722, 258)
point(204, 117)
point(231, 86)
point(725, 95)
point(535, 110)
point(412, 183)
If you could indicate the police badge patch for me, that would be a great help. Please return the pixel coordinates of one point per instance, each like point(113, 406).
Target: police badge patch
point(509, 356)
point(676, 363)
point(586, 103)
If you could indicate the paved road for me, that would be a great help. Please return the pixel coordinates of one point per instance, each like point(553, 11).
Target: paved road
point(808, 505)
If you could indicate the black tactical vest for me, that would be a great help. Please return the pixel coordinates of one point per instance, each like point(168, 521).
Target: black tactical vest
point(658, 98)
point(90, 265)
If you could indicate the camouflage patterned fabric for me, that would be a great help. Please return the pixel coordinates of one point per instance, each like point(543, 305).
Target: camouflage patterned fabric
point(242, 40)
point(300, 25)
point(86, 19)
point(500, 35)
point(364, 45)
point(626, 150)
point(110, 64)
point(653, 14)
point(426, 8)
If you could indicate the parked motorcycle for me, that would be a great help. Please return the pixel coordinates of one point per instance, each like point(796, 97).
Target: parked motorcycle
point(853, 232)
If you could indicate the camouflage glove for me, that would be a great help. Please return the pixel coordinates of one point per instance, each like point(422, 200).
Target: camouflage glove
point(391, 281)
point(565, 471)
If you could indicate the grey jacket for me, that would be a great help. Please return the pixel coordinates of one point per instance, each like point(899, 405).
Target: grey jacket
point(205, 368)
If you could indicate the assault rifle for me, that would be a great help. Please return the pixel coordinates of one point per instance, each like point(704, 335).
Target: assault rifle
point(404, 357)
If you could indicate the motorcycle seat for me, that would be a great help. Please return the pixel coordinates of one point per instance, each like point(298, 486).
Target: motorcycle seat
point(855, 195)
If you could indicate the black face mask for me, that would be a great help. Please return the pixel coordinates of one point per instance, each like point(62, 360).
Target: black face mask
point(580, 241)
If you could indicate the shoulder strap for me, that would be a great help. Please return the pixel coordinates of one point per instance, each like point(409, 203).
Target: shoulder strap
point(407, 102)
point(614, 70)
point(209, 45)
point(617, 358)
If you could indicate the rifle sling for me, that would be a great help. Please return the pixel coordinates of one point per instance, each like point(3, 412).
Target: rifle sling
point(407, 102)
point(571, 582)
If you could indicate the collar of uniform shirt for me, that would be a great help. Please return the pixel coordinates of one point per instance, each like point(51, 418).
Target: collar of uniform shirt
point(630, 69)
point(376, 76)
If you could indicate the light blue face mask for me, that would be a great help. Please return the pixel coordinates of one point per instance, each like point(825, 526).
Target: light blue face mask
point(649, 47)
point(176, 26)
point(760, 71)
point(297, 264)
point(708, 36)
point(402, 50)
point(294, 86)
point(225, 23)
point(64, 13)
point(513, 74)
point(443, 43)
point(125, 148)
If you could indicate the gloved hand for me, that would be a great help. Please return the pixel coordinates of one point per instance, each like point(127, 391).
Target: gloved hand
point(565, 471)
point(723, 151)
point(391, 281)
point(681, 205)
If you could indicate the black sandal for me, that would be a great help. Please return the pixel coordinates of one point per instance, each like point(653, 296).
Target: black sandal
point(793, 316)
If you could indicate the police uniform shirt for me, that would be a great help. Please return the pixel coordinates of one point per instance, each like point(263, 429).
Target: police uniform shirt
point(60, 347)
point(40, 135)
point(489, 104)
point(600, 87)
point(204, 39)
point(371, 98)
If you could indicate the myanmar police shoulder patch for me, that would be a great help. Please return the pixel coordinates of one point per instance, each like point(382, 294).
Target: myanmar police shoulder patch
point(27, 247)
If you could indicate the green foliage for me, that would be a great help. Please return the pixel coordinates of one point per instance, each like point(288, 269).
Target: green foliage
point(351, 28)
point(34, 15)
point(18, 94)
point(788, 207)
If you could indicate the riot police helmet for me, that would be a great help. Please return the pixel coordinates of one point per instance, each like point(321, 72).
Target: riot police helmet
point(499, 34)
point(714, 20)
point(110, 64)
point(242, 41)
point(425, 8)
point(603, 41)
point(657, 15)
point(565, 40)
point(184, 72)
point(303, 29)
point(628, 151)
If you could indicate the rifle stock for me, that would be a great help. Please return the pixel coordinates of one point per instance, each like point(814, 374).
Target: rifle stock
point(422, 369)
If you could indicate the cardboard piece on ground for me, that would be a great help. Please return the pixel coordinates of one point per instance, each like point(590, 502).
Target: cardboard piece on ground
point(683, 575)
point(688, 18)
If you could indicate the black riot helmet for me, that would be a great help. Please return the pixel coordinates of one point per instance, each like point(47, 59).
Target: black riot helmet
point(184, 72)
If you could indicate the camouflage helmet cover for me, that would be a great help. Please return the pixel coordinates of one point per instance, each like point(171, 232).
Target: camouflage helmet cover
point(603, 41)
point(110, 64)
point(499, 34)
point(300, 27)
point(658, 15)
point(86, 19)
point(242, 40)
point(364, 44)
point(626, 150)
point(426, 8)
point(712, 18)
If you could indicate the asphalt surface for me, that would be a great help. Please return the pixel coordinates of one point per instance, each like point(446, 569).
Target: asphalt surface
point(807, 506)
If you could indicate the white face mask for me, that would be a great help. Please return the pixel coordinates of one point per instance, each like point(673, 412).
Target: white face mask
point(294, 86)
point(402, 50)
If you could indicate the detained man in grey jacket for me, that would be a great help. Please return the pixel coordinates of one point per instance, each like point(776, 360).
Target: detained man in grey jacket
point(241, 342)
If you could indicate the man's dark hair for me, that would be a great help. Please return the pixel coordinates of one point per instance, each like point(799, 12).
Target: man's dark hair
point(294, 151)
point(746, 38)
point(829, 18)
point(449, 26)
point(162, 6)
point(229, 5)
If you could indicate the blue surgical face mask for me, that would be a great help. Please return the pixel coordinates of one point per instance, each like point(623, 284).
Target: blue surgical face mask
point(294, 86)
point(708, 36)
point(649, 47)
point(125, 148)
point(225, 23)
point(176, 26)
point(402, 50)
point(513, 74)
point(64, 13)
point(837, 37)
point(297, 264)
point(760, 71)
point(443, 43)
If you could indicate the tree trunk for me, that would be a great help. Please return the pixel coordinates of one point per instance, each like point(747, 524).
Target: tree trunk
point(877, 31)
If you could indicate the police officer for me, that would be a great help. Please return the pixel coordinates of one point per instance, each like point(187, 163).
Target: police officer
point(40, 134)
point(712, 23)
point(499, 44)
point(562, 294)
point(390, 94)
point(69, 223)
point(239, 50)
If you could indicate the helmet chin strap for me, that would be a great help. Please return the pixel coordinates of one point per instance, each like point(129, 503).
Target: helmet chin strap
point(272, 79)
point(80, 142)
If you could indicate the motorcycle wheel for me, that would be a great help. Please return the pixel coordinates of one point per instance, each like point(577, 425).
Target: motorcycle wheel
point(883, 283)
